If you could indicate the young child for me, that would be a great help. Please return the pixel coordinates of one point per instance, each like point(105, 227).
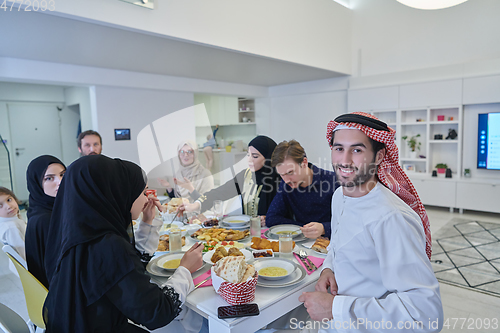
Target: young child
point(12, 228)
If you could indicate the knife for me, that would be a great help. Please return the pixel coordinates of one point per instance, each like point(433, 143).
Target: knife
point(202, 282)
point(303, 261)
point(313, 266)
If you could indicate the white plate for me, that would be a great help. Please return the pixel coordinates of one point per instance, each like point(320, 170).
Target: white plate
point(167, 257)
point(153, 268)
point(320, 253)
point(223, 224)
point(296, 239)
point(236, 220)
point(295, 229)
point(288, 265)
point(166, 225)
point(297, 276)
point(208, 256)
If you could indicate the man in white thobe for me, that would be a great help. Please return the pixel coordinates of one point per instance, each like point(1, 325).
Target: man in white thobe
point(377, 269)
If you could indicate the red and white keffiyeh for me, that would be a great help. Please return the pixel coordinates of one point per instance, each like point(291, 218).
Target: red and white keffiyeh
point(390, 172)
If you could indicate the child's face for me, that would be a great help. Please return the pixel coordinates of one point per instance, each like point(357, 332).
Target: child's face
point(8, 206)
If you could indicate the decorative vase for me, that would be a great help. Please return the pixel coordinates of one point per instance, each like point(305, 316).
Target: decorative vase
point(441, 170)
point(413, 154)
point(228, 149)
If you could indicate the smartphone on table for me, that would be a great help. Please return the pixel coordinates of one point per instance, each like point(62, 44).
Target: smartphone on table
point(234, 311)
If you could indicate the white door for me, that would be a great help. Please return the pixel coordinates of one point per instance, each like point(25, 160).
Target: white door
point(34, 131)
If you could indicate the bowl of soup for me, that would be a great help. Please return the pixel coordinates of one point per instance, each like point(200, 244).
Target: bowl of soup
point(237, 220)
point(291, 229)
point(170, 261)
point(274, 268)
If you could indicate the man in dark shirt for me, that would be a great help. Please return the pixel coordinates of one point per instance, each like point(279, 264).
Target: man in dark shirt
point(304, 195)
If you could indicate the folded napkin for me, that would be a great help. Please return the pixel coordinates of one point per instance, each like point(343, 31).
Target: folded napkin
point(201, 278)
point(262, 231)
point(308, 244)
point(316, 261)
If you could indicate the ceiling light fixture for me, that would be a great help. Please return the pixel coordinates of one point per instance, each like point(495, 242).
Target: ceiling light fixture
point(431, 4)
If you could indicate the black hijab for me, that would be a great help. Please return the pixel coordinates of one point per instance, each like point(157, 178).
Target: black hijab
point(267, 175)
point(39, 212)
point(89, 230)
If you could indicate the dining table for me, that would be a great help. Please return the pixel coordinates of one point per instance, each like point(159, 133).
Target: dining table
point(273, 302)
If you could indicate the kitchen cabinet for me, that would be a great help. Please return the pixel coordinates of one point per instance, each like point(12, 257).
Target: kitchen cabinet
point(222, 110)
point(477, 195)
point(436, 192)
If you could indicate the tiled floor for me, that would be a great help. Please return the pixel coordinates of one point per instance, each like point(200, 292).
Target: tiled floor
point(460, 305)
point(467, 252)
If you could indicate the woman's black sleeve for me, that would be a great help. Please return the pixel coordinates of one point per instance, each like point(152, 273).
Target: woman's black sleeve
point(144, 302)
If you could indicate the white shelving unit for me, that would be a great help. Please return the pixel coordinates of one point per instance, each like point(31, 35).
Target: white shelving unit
point(246, 107)
point(424, 121)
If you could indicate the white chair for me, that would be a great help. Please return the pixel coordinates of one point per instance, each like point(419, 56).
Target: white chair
point(10, 250)
point(11, 322)
point(34, 293)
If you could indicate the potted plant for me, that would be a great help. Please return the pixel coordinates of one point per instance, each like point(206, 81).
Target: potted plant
point(413, 143)
point(467, 173)
point(441, 167)
point(229, 146)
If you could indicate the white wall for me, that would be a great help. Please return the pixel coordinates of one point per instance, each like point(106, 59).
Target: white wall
point(280, 29)
point(41, 72)
point(390, 37)
point(470, 140)
point(302, 112)
point(70, 117)
point(80, 96)
point(134, 109)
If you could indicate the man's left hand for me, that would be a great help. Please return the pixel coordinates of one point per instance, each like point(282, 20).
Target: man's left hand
point(318, 305)
point(313, 230)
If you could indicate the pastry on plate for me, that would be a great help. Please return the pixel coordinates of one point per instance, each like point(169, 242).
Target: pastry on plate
point(321, 244)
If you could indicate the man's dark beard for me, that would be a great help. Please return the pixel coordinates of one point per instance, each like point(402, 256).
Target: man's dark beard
point(360, 178)
point(93, 153)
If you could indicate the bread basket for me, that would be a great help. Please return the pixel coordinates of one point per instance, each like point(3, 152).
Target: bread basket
point(235, 293)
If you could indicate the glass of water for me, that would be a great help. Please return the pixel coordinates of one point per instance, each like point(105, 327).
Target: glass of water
point(286, 245)
point(255, 228)
point(218, 208)
point(175, 240)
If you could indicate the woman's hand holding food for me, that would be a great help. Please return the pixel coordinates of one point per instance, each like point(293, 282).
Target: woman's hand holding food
point(186, 184)
point(148, 212)
point(193, 258)
point(313, 230)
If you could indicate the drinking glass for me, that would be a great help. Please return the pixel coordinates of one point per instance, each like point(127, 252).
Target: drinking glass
point(218, 208)
point(174, 240)
point(255, 228)
point(286, 244)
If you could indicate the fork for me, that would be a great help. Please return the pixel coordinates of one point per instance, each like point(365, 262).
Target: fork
point(303, 255)
point(170, 224)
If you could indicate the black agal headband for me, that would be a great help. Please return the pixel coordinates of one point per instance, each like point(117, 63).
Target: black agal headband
point(356, 118)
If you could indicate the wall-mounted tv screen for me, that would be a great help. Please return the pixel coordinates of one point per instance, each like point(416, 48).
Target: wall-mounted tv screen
point(122, 133)
point(488, 141)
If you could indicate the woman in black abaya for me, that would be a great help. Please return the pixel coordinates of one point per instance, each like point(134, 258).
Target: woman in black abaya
point(98, 281)
point(43, 177)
